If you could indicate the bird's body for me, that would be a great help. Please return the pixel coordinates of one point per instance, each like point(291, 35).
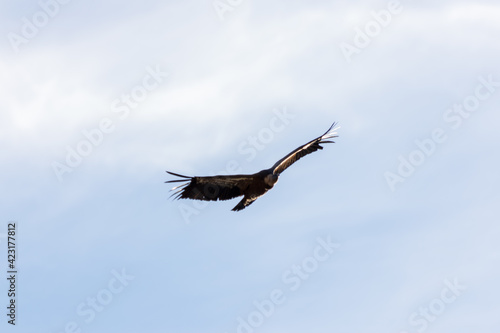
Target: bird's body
point(225, 187)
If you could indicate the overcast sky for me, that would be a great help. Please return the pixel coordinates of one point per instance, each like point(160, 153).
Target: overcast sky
point(394, 228)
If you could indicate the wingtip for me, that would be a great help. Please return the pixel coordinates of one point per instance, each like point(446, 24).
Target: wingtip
point(330, 133)
point(178, 175)
point(335, 125)
point(329, 129)
point(332, 128)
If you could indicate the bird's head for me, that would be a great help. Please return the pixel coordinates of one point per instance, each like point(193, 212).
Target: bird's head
point(271, 179)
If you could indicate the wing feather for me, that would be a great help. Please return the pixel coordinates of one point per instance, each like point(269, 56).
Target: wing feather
point(304, 150)
point(211, 188)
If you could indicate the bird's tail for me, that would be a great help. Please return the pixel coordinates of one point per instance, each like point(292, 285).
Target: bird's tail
point(245, 202)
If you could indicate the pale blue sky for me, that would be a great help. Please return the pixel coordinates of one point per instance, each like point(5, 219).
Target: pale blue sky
point(101, 248)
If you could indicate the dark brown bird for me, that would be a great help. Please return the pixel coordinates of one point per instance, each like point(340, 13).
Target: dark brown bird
point(251, 187)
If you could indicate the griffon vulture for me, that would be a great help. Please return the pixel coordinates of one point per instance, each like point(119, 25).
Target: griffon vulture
point(251, 187)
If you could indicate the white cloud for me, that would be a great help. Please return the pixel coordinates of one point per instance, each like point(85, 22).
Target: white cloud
point(225, 80)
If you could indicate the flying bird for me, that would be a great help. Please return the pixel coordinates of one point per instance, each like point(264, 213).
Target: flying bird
point(251, 187)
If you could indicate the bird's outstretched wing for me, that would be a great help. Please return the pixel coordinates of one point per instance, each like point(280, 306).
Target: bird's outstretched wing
point(304, 150)
point(211, 188)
